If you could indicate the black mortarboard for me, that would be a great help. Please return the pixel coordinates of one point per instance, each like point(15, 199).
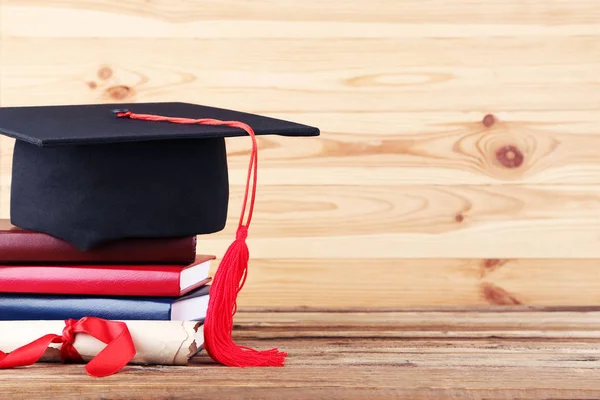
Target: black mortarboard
point(85, 175)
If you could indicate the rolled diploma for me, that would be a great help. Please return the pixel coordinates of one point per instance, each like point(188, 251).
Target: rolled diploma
point(156, 342)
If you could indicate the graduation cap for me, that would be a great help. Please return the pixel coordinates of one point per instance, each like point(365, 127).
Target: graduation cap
point(91, 174)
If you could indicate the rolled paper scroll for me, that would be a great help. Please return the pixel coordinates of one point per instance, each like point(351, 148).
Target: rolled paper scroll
point(156, 342)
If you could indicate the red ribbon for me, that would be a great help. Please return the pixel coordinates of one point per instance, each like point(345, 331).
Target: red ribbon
point(118, 352)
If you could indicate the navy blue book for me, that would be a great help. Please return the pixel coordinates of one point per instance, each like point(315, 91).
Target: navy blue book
point(22, 307)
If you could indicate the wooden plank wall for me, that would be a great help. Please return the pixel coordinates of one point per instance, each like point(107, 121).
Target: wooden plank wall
point(460, 158)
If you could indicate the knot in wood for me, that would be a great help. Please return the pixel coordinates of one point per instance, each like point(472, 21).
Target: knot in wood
point(510, 156)
point(119, 92)
point(488, 120)
point(105, 72)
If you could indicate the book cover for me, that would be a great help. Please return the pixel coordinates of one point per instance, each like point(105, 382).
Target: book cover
point(22, 246)
point(108, 280)
point(24, 307)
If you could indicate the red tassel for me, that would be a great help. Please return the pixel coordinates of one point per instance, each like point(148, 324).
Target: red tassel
point(232, 272)
point(218, 326)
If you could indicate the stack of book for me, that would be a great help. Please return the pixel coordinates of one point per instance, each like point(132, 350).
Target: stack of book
point(45, 278)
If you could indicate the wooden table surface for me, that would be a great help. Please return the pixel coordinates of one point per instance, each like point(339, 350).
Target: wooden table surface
point(495, 353)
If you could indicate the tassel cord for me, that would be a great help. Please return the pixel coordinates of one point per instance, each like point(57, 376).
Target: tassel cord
point(233, 270)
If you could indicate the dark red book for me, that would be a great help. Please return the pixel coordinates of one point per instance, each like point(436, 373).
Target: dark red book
point(19, 246)
point(106, 280)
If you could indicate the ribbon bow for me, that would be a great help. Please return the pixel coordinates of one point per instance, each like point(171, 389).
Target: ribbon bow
point(119, 349)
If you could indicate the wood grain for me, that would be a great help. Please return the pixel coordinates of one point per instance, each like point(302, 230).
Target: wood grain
point(487, 322)
point(486, 355)
point(492, 12)
point(321, 222)
point(356, 18)
point(371, 118)
point(370, 284)
point(281, 75)
point(454, 134)
point(440, 149)
point(421, 222)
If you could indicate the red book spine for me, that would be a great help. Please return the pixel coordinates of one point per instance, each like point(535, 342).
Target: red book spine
point(103, 280)
point(18, 246)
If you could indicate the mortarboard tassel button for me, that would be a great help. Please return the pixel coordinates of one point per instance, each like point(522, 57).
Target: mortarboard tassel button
point(121, 112)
